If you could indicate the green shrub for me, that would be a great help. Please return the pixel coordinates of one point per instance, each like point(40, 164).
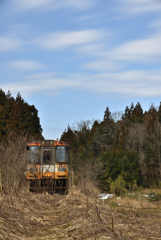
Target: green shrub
point(118, 186)
point(154, 197)
point(134, 187)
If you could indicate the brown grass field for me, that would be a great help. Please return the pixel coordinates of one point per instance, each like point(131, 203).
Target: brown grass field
point(76, 216)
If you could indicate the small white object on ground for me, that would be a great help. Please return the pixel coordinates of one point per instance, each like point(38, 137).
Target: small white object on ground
point(104, 196)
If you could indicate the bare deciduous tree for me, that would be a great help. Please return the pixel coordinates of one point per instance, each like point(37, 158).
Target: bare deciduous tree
point(137, 141)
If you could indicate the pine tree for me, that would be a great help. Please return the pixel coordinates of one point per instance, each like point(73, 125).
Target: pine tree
point(71, 137)
point(127, 114)
point(107, 130)
point(151, 117)
point(18, 116)
point(131, 109)
point(137, 113)
point(159, 113)
point(107, 115)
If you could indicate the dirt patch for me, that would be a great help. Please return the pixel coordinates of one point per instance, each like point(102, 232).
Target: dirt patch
point(76, 216)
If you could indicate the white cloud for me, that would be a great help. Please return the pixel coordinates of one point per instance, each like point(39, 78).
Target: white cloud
point(32, 4)
point(26, 65)
point(146, 50)
point(100, 66)
point(138, 50)
point(93, 49)
point(52, 4)
point(88, 17)
point(130, 83)
point(39, 83)
point(155, 24)
point(62, 40)
point(140, 6)
point(125, 84)
point(9, 43)
point(80, 4)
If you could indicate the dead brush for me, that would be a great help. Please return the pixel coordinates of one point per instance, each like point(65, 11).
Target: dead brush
point(13, 162)
point(131, 202)
point(85, 179)
point(41, 216)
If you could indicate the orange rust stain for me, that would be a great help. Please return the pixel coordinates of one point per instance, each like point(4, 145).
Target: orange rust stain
point(60, 175)
point(33, 175)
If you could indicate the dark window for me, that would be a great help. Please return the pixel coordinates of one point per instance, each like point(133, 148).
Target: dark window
point(33, 154)
point(61, 154)
point(47, 156)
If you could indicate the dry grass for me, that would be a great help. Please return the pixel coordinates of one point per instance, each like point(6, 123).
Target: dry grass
point(76, 216)
point(140, 203)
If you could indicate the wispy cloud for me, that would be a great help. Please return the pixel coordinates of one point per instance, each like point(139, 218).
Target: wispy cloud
point(87, 17)
point(79, 4)
point(156, 24)
point(94, 48)
point(52, 4)
point(125, 84)
point(45, 82)
point(25, 65)
point(103, 66)
point(140, 6)
point(139, 50)
point(31, 4)
point(8, 43)
point(147, 50)
point(61, 40)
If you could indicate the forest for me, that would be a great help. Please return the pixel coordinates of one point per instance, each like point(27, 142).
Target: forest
point(128, 148)
point(123, 145)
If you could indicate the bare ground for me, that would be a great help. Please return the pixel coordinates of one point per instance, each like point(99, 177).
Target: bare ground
point(76, 216)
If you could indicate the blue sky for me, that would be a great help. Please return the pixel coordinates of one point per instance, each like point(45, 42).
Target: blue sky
point(73, 58)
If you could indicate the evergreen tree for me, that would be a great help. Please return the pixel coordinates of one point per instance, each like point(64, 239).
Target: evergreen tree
point(107, 116)
point(127, 114)
point(137, 113)
point(151, 117)
point(130, 147)
point(93, 137)
point(159, 113)
point(120, 137)
point(18, 116)
point(71, 137)
point(131, 109)
point(107, 129)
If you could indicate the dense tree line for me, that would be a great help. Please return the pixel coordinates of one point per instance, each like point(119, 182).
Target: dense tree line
point(130, 146)
point(17, 116)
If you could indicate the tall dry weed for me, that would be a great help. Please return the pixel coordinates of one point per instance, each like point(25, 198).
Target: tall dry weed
point(138, 203)
point(13, 162)
point(85, 179)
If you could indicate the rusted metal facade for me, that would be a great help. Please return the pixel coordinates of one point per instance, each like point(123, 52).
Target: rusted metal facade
point(47, 166)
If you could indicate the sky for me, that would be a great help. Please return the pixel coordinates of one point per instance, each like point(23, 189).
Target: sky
point(73, 58)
